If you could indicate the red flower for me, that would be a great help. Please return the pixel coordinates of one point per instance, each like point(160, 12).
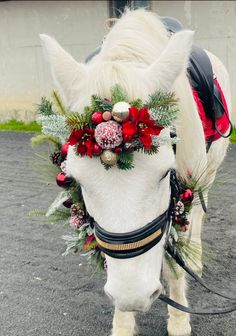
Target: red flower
point(90, 243)
point(89, 239)
point(141, 124)
point(84, 139)
point(128, 131)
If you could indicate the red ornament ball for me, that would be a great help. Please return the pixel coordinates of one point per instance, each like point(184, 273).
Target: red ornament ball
point(108, 134)
point(63, 181)
point(187, 196)
point(64, 149)
point(118, 150)
point(97, 117)
point(97, 150)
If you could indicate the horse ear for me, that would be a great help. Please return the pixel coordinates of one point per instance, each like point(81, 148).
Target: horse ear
point(67, 73)
point(172, 61)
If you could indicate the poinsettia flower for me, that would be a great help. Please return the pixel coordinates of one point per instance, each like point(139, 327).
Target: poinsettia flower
point(128, 131)
point(84, 139)
point(140, 123)
point(90, 242)
point(89, 239)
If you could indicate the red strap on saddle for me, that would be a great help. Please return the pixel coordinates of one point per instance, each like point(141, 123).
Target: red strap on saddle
point(222, 123)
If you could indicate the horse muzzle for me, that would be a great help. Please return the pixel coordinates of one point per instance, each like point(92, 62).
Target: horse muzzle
point(136, 303)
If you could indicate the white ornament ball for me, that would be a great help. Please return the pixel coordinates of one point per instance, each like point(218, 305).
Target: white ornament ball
point(120, 111)
point(108, 134)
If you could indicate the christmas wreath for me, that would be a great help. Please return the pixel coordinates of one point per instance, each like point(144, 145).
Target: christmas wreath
point(109, 130)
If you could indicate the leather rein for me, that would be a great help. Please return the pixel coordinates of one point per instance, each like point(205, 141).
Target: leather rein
point(137, 242)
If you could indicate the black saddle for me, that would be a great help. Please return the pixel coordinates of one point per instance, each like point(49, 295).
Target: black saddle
point(201, 75)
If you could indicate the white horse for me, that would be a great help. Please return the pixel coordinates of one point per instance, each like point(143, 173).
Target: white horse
point(139, 54)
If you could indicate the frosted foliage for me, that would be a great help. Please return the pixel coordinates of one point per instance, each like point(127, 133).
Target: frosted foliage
point(55, 125)
point(165, 116)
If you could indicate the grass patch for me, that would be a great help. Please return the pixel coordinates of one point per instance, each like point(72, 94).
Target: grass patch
point(33, 126)
point(233, 136)
point(20, 126)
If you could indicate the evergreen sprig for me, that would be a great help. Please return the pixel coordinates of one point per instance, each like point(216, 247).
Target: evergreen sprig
point(100, 104)
point(138, 103)
point(45, 107)
point(61, 107)
point(39, 139)
point(151, 151)
point(161, 99)
point(125, 161)
point(76, 120)
point(118, 94)
point(164, 115)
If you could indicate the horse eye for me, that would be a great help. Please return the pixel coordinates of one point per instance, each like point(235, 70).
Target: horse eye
point(165, 175)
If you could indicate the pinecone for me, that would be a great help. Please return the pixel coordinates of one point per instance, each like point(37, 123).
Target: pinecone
point(56, 158)
point(76, 210)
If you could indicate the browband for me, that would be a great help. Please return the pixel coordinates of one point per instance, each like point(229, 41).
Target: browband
point(134, 243)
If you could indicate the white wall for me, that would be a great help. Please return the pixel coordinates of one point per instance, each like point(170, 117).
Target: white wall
point(214, 23)
point(24, 73)
point(79, 27)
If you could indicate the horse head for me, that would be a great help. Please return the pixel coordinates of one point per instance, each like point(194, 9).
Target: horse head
point(123, 201)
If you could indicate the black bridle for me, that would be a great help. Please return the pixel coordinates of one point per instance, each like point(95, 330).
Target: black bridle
point(134, 243)
point(137, 242)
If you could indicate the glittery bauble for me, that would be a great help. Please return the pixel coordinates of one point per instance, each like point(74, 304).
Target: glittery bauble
point(97, 150)
point(120, 111)
point(187, 196)
point(109, 158)
point(63, 180)
point(75, 222)
point(118, 150)
point(108, 134)
point(106, 115)
point(97, 117)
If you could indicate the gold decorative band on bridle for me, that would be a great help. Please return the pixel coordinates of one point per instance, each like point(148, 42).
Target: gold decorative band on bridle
point(129, 246)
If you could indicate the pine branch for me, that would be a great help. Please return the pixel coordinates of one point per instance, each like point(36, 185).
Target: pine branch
point(161, 99)
point(45, 107)
point(100, 104)
point(45, 170)
point(118, 94)
point(151, 151)
point(125, 161)
point(59, 215)
point(105, 165)
point(39, 139)
point(61, 107)
point(76, 120)
point(164, 115)
point(37, 213)
point(138, 103)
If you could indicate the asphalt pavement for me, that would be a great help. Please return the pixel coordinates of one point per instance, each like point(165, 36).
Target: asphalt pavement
point(43, 293)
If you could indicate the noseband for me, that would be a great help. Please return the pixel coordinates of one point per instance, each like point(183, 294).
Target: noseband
point(134, 243)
